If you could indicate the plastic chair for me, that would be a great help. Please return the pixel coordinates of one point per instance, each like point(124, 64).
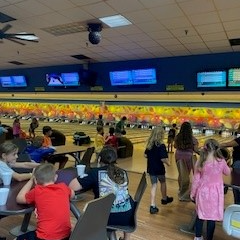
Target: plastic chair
point(91, 225)
point(21, 144)
point(112, 229)
point(86, 159)
point(231, 220)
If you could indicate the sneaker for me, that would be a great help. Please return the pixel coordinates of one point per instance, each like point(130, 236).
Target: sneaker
point(153, 210)
point(166, 201)
point(198, 238)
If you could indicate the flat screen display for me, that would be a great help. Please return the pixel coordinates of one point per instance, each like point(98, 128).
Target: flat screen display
point(13, 81)
point(144, 76)
point(62, 79)
point(234, 77)
point(121, 78)
point(211, 79)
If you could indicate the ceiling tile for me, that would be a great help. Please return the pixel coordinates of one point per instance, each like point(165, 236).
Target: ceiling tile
point(156, 3)
point(205, 18)
point(173, 23)
point(223, 4)
point(209, 28)
point(167, 11)
point(230, 14)
point(197, 6)
point(100, 9)
point(214, 36)
point(124, 6)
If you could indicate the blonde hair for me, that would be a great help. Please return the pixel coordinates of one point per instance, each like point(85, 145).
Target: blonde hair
point(210, 145)
point(156, 137)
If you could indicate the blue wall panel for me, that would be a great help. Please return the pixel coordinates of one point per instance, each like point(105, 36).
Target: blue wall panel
point(170, 71)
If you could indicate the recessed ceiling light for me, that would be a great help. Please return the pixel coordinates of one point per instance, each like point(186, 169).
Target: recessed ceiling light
point(115, 21)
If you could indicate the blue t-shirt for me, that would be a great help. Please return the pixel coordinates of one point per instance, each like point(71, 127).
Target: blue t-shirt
point(155, 165)
point(37, 154)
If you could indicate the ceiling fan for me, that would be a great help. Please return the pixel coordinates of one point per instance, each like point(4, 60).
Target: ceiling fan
point(31, 37)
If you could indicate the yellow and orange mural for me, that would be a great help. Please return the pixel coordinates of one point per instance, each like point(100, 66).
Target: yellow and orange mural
point(211, 117)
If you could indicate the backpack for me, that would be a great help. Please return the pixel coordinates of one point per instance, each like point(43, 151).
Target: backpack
point(81, 138)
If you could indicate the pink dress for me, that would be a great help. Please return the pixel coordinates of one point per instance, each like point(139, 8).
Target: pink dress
point(207, 189)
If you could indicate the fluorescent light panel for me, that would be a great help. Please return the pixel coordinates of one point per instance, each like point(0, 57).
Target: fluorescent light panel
point(115, 21)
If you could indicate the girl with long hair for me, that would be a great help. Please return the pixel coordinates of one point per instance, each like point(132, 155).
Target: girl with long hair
point(208, 188)
point(157, 155)
point(186, 144)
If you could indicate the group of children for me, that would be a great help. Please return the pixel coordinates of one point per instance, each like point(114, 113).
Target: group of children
point(18, 132)
point(206, 190)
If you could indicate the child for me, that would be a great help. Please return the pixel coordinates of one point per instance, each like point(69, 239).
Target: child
point(36, 151)
point(120, 127)
point(208, 189)
point(47, 143)
point(100, 120)
point(156, 157)
point(109, 179)
point(32, 127)
point(47, 132)
point(8, 157)
point(52, 204)
point(171, 136)
point(111, 139)
point(2, 131)
point(16, 128)
point(99, 141)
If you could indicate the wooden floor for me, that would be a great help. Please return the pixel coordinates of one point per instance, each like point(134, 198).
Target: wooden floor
point(166, 224)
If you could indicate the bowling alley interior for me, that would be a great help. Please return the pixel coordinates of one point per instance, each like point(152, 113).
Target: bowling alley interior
point(165, 62)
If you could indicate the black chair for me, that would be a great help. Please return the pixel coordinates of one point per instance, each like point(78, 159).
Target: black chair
point(125, 148)
point(58, 138)
point(112, 229)
point(91, 225)
point(86, 159)
point(21, 144)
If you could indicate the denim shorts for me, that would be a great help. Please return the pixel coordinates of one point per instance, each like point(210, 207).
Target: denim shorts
point(155, 178)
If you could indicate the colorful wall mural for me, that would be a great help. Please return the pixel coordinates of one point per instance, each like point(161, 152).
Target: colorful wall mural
point(200, 116)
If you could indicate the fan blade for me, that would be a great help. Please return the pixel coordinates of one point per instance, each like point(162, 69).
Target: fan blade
point(7, 27)
point(20, 36)
point(10, 39)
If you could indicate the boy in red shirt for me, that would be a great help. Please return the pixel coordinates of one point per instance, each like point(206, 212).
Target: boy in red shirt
point(52, 205)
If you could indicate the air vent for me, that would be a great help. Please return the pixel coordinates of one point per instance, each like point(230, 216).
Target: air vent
point(5, 18)
point(234, 42)
point(16, 63)
point(64, 29)
point(81, 57)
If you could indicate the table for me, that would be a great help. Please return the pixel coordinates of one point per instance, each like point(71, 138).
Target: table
point(13, 208)
point(73, 150)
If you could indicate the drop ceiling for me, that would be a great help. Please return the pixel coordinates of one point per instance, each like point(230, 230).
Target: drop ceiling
point(160, 28)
